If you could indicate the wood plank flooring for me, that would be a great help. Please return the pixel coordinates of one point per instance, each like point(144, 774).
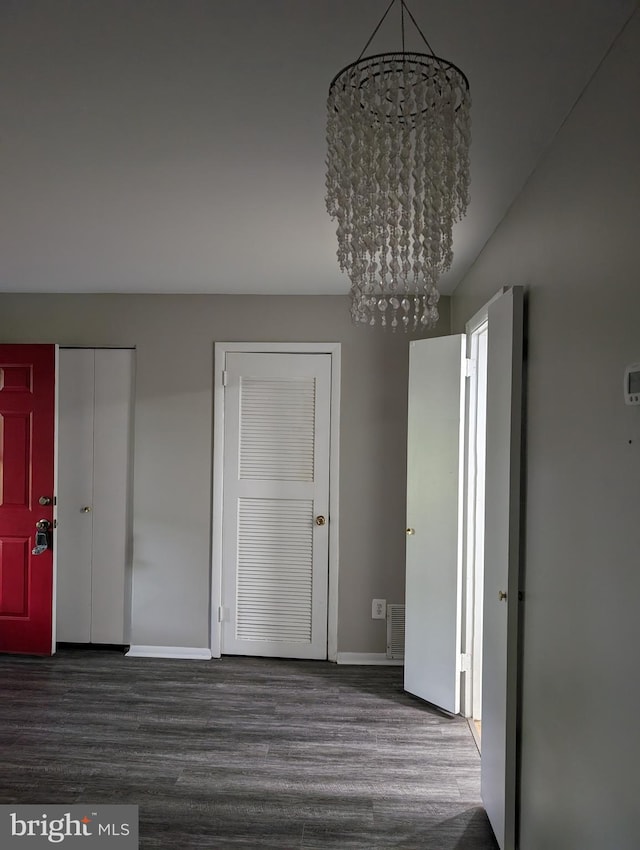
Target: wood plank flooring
point(241, 753)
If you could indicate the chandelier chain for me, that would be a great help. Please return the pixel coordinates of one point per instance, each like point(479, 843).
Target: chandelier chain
point(373, 34)
point(403, 8)
point(415, 23)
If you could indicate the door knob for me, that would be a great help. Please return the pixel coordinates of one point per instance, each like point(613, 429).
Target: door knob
point(410, 531)
point(502, 595)
point(85, 510)
point(320, 520)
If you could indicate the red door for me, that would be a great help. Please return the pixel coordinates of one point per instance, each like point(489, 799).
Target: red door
point(27, 419)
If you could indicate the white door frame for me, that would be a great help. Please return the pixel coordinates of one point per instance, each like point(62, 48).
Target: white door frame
point(472, 327)
point(221, 351)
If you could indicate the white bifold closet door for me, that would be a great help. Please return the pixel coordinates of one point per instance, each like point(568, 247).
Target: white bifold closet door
point(93, 536)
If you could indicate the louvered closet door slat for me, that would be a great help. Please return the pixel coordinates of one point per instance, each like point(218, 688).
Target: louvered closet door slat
point(277, 429)
point(275, 563)
point(275, 571)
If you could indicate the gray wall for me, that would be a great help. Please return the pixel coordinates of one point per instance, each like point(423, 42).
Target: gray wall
point(174, 336)
point(573, 239)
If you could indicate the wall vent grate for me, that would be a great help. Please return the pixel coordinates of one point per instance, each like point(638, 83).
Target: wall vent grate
point(395, 631)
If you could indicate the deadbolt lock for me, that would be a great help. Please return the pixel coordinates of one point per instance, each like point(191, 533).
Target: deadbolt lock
point(43, 537)
point(320, 520)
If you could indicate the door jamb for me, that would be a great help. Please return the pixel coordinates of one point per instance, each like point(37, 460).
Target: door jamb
point(221, 350)
point(470, 606)
point(472, 326)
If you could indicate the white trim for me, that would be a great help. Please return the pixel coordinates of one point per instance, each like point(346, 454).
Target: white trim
point(471, 525)
point(334, 514)
point(475, 325)
point(369, 658)
point(482, 316)
point(218, 467)
point(469, 516)
point(195, 652)
point(221, 350)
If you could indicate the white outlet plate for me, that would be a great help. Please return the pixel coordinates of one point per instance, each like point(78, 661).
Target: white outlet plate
point(378, 609)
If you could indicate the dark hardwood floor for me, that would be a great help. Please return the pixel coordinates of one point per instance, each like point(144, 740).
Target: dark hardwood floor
point(241, 753)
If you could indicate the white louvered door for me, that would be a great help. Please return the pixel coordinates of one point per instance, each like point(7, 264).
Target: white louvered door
point(276, 486)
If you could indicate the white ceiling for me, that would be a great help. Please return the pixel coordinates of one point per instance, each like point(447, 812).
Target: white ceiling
point(178, 145)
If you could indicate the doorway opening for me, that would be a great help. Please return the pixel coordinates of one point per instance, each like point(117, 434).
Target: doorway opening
point(477, 336)
point(452, 573)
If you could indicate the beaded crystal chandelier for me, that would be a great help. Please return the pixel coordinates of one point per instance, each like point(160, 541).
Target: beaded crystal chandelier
point(398, 135)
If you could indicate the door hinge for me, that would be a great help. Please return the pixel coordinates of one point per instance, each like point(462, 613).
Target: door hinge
point(469, 367)
point(465, 662)
point(222, 614)
point(225, 377)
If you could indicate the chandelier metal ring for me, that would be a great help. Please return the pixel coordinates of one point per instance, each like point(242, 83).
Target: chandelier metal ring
point(426, 59)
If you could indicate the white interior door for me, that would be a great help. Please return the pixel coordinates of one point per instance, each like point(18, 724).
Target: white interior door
point(434, 517)
point(275, 526)
point(502, 563)
point(74, 535)
point(111, 496)
point(93, 539)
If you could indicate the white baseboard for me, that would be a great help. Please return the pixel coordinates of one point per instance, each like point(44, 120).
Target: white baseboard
point(187, 652)
point(378, 658)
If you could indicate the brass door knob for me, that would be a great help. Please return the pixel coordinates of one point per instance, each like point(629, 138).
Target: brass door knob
point(320, 520)
point(410, 531)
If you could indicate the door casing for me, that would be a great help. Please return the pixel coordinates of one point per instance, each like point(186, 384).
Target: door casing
point(473, 543)
point(221, 351)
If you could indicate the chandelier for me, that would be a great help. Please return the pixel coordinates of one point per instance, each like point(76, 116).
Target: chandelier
point(398, 134)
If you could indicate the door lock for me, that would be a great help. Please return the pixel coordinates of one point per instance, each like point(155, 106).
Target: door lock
point(44, 500)
point(43, 542)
